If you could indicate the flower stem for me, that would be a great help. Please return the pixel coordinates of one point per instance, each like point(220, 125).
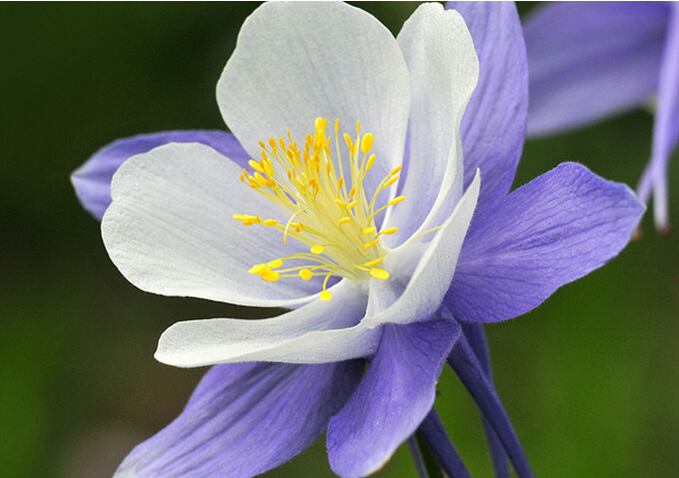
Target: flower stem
point(466, 365)
point(419, 460)
point(434, 434)
point(477, 340)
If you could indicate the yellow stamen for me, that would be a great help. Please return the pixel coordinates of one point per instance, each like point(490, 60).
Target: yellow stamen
point(246, 219)
point(317, 249)
point(255, 165)
point(380, 274)
point(321, 187)
point(305, 274)
point(257, 268)
point(396, 200)
point(374, 262)
point(269, 275)
point(371, 162)
point(391, 181)
point(367, 142)
point(372, 243)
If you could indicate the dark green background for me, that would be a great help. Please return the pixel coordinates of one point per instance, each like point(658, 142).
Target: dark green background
point(591, 378)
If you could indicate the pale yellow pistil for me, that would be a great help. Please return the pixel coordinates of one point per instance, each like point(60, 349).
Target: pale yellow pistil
point(329, 210)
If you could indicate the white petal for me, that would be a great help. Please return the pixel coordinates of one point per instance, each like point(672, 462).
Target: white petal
point(444, 70)
point(297, 61)
point(422, 296)
point(170, 229)
point(315, 333)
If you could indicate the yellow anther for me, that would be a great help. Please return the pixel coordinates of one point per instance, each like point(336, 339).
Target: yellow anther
point(340, 203)
point(380, 274)
point(305, 274)
point(268, 168)
point(321, 123)
point(246, 219)
point(372, 243)
point(390, 181)
point(257, 268)
point(370, 163)
point(344, 220)
point(275, 264)
point(367, 142)
point(358, 127)
point(396, 200)
point(352, 204)
point(369, 230)
point(317, 249)
point(396, 170)
point(374, 262)
point(269, 222)
point(389, 230)
point(347, 140)
point(255, 165)
point(269, 275)
point(272, 143)
point(326, 295)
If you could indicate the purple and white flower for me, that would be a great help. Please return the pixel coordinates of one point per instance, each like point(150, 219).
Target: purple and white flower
point(377, 271)
point(591, 60)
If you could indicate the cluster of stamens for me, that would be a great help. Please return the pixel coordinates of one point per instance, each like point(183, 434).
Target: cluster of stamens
point(328, 207)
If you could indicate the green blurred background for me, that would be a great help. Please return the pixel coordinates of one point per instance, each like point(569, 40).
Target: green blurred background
point(590, 379)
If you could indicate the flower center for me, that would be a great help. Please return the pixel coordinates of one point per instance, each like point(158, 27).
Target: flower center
point(328, 208)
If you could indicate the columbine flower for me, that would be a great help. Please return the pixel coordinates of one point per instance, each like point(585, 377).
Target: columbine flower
point(592, 60)
point(329, 210)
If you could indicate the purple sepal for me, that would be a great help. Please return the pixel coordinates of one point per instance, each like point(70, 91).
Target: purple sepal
point(467, 367)
point(434, 433)
point(245, 419)
point(494, 125)
point(666, 128)
point(477, 341)
point(549, 232)
point(393, 398)
point(92, 180)
point(590, 60)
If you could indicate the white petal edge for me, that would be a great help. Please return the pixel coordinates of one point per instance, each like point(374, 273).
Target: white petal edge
point(296, 61)
point(318, 332)
point(444, 70)
point(431, 279)
point(169, 229)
